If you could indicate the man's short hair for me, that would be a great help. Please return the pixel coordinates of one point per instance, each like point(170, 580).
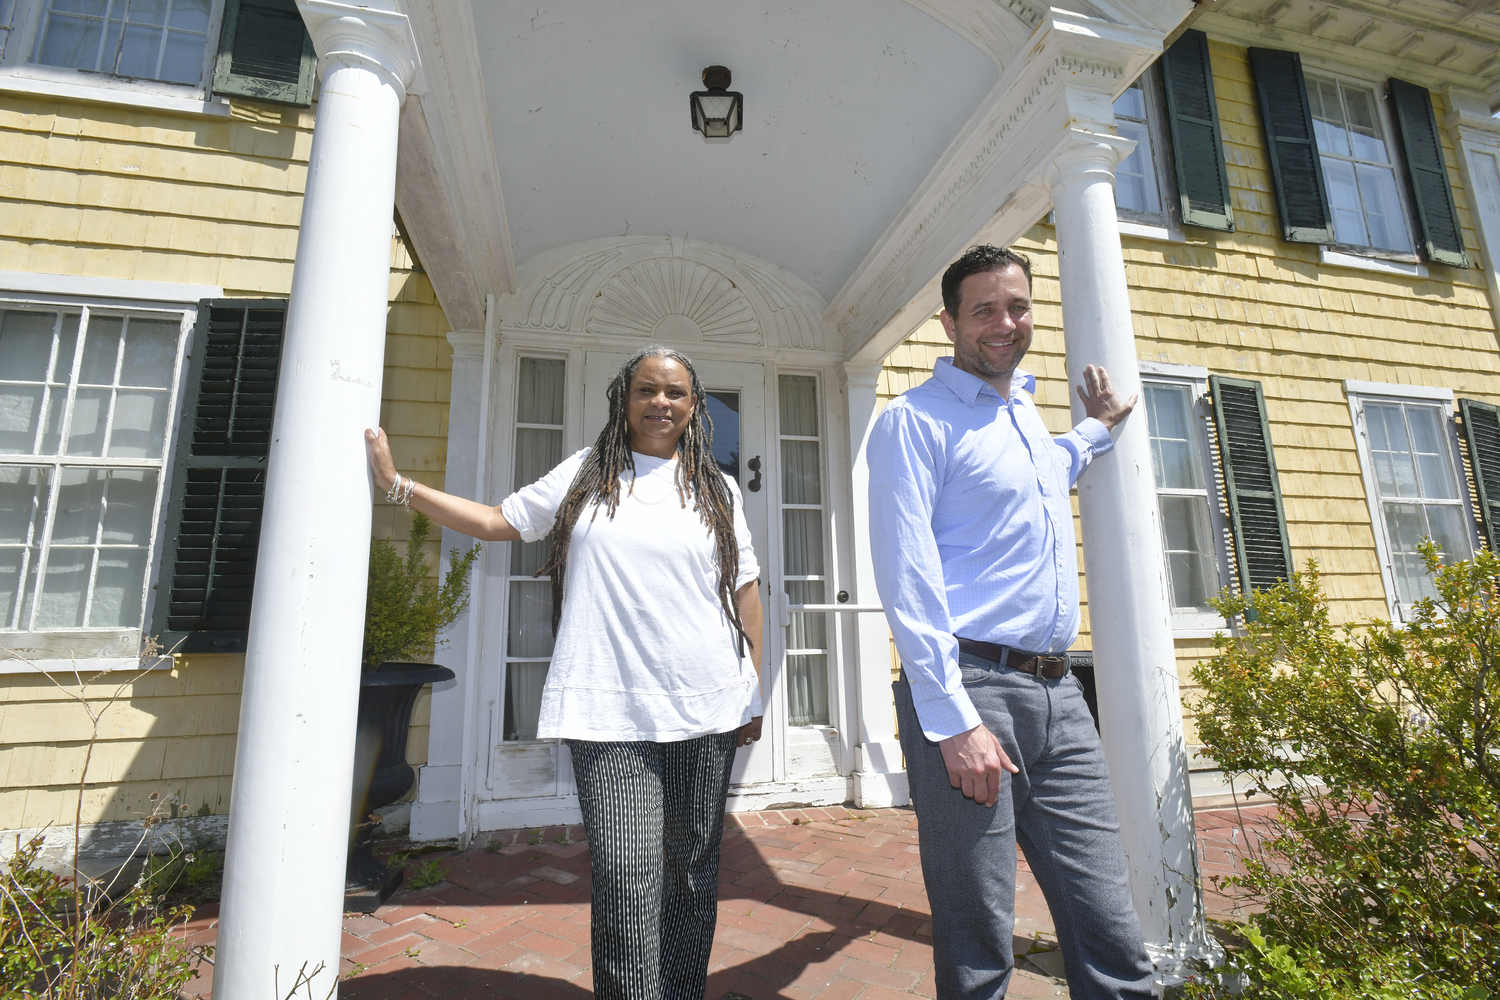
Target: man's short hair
point(978, 260)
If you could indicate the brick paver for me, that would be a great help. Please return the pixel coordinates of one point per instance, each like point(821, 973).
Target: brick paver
point(821, 903)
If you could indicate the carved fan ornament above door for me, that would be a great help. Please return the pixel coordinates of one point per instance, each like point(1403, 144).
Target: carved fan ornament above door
point(671, 290)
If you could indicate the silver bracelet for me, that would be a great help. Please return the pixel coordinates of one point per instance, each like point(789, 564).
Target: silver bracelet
point(401, 494)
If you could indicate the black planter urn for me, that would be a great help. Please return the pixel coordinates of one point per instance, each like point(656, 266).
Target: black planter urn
point(381, 773)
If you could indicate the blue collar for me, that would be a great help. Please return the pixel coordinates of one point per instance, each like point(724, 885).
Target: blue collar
point(969, 388)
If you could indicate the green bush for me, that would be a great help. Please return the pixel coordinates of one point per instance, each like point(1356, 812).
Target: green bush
point(1379, 745)
point(60, 942)
point(405, 610)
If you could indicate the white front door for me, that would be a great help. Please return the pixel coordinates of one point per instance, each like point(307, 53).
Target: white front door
point(736, 405)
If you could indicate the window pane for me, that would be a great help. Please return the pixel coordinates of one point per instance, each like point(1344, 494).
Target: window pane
point(807, 690)
point(1190, 551)
point(66, 588)
point(101, 348)
point(90, 412)
point(1426, 424)
point(1390, 451)
point(12, 568)
point(80, 500)
point(799, 405)
point(540, 392)
point(23, 503)
point(724, 414)
point(150, 353)
point(1343, 195)
point(25, 344)
point(140, 425)
point(130, 501)
point(139, 51)
point(801, 472)
point(71, 41)
point(1135, 178)
point(1174, 450)
point(1387, 226)
point(1446, 523)
point(1132, 103)
point(530, 618)
point(804, 542)
point(190, 15)
point(20, 411)
point(1328, 117)
point(118, 587)
point(1364, 126)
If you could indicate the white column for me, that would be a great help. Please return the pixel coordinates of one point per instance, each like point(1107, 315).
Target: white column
point(879, 775)
point(442, 808)
point(1129, 615)
point(289, 815)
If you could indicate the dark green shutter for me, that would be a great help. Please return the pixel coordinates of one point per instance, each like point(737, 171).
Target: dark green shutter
point(1197, 145)
point(1291, 148)
point(265, 53)
point(1482, 436)
point(1256, 514)
point(219, 479)
point(1427, 174)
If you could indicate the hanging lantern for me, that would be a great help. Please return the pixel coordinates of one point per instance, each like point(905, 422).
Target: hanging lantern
point(718, 112)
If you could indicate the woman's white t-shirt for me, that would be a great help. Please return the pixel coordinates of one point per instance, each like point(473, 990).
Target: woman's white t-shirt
point(644, 650)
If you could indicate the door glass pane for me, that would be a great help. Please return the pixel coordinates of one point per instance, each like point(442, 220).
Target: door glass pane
point(724, 413)
point(807, 690)
point(540, 391)
point(530, 618)
point(807, 630)
point(523, 699)
point(799, 405)
point(801, 472)
point(804, 542)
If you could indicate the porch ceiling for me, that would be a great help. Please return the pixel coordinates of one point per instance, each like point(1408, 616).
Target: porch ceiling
point(848, 103)
point(857, 112)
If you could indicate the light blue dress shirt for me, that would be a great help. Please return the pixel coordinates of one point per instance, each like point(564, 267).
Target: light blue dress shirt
point(971, 530)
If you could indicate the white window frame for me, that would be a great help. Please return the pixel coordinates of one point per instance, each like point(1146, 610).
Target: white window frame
point(88, 651)
point(1163, 225)
point(20, 21)
point(1198, 624)
point(1357, 393)
point(1351, 254)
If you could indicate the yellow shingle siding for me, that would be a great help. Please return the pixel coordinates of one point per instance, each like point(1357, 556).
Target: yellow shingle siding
point(113, 192)
point(1252, 305)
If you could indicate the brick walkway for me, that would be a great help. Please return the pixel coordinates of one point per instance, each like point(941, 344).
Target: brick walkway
point(824, 903)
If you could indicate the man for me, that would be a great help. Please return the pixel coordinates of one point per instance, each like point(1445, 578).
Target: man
point(974, 557)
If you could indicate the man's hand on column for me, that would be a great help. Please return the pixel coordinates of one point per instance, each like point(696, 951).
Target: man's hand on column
point(1101, 401)
point(974, 761)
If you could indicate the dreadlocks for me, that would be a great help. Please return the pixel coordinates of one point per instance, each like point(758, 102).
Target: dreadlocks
point(597, 484)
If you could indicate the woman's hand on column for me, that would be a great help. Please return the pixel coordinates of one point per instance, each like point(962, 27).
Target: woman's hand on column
point(381, 464)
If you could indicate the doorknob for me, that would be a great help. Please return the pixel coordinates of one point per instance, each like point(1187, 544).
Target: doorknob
point(754, 466)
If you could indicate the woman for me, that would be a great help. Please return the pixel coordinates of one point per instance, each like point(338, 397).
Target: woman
point(655, 607)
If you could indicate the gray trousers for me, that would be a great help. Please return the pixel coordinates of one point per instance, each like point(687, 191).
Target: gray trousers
point(1059, 808)
point(654, 815)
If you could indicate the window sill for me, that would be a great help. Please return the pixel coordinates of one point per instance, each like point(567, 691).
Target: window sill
point(1150, 232)
point(1336, 258)
point(84, 652)
point(100, 89)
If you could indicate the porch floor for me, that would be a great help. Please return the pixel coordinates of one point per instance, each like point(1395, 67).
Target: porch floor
point(825, 903)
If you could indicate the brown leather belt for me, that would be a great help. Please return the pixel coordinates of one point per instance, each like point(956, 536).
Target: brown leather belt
point(1050, 667)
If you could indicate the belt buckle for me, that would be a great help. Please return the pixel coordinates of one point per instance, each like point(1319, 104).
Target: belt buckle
point(1052, 667)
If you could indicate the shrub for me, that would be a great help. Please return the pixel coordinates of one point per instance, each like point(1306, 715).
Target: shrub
point(58, 940)
point(405, 610)
point(1379, 745)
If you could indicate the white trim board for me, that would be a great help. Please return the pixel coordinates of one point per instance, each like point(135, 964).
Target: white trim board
point(84, 287)
point(1167, 368)
point(1354, 387)
point(131, 97)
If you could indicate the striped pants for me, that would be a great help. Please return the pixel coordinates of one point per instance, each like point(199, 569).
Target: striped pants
point(654, 815)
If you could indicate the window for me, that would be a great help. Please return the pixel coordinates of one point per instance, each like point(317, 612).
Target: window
point(1137, 184)
point(1407, 452)
point(1358, 168)
point(86, 401)
point(150, 39)
point(541, 387)
point(245, 48)
point(1186, 499)
point(805, 576)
